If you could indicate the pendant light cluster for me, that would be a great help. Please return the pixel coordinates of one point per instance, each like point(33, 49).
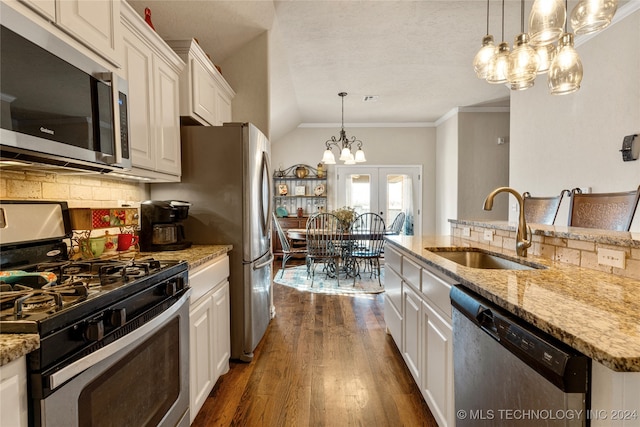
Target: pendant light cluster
point(536, 53)
point(343, 144)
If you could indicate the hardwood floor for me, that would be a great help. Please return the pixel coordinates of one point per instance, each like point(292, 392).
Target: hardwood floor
point(324, 361)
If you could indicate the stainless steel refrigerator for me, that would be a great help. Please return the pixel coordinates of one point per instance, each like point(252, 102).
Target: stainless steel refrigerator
point(225, 177)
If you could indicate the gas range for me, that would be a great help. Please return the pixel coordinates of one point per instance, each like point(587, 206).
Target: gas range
point(55, 294)
point(82, 310)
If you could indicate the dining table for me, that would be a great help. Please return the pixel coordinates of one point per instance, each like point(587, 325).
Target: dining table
point(350, 267)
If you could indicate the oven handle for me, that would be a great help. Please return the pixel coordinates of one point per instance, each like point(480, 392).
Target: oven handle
point(65, 374)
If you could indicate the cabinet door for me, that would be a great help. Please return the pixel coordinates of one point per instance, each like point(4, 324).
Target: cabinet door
point(223, 106)
point(13, 393)
point(92, 22)
point(412, 305)
point(167, 119)
point(437, 366)
point(201, 354)
point(203, 93)
point(138, 71)
point(221, 330)
point(46, 8)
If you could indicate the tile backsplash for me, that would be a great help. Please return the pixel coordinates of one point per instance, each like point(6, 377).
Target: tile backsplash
point(572, 248)
point(78, 190)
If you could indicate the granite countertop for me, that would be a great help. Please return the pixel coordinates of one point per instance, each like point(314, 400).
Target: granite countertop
point(14, 346)
point(594, 312)
point(196, 255)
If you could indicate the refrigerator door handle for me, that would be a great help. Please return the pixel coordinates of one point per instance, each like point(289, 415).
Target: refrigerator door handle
point(264, 264)
point(265, 184)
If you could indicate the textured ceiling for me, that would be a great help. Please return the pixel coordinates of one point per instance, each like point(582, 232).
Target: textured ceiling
point(415, 55)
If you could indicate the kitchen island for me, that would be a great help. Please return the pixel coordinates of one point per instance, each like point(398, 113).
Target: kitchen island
point(596, 313)
point(594, 310)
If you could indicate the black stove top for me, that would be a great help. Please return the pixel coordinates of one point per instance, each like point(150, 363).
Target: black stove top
point(59, 293)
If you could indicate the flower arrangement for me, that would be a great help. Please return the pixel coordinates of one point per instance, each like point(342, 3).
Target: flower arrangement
point(345, 215)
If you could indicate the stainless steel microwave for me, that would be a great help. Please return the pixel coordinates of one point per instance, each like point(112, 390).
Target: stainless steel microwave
point(58, 106)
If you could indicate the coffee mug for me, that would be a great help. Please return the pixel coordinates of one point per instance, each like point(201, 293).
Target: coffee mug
point(96, 244)
point(111, 243)
point(125, 241)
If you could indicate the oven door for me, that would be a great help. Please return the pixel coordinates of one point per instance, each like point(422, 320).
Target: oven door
point(140, 380)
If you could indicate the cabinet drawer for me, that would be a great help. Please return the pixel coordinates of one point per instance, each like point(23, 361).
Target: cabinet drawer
point(437, 291)
point(411, 272)
point(205, 278)
point(393, 288)
point(393, 258)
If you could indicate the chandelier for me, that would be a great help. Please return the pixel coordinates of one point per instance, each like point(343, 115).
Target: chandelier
point(536, 53)
point(343, 144)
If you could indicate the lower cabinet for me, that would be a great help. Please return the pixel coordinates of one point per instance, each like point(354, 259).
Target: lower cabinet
point(437, 365)
point(13, 393)
point(209, 321)
point(421, 328)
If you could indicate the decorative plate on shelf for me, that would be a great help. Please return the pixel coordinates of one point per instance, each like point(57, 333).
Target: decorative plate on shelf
point(281, 211)
point(319, 190)
point(282, 189)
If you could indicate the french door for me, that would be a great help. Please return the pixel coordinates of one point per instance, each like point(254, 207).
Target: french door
point(386, 190)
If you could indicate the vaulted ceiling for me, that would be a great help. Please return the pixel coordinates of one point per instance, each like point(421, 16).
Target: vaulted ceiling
point(416, 56)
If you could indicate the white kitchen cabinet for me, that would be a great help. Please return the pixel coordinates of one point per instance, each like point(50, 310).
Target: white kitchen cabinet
point(152, 71)
point(210, 337)
point(13, 393)
point(205, 96)
point(615, 397)
point(437, 365)
point(93, 23)
point(412, 305)
point(425, 324)
point(46, 8)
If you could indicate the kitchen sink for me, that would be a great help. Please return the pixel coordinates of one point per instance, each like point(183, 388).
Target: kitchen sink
point(480, 258)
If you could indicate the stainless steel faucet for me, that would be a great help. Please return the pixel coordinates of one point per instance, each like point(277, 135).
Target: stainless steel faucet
point(523, 232)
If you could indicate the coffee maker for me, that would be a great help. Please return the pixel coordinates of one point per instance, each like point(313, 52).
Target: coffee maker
point(161, 227)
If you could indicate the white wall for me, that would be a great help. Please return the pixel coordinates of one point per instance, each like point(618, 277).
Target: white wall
point(247, 72)
point(383, 146)
point(483, 165)
point(446, 203)
point(470, 164)
point(574, 140)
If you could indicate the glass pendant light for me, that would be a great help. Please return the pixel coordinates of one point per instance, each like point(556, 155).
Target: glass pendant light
point(523, 60)
point(499, 64)
point(546, 20)
point(486, 52)
point(590, 16)
point(565, 73)
point(545, 54)
point(360, 158)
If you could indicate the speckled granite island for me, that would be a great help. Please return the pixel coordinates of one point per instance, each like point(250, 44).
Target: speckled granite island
point(595, 312)
point(14, 346)
point(593, 308)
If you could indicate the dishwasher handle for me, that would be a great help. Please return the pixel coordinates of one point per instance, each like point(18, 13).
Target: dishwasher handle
point(487, 322)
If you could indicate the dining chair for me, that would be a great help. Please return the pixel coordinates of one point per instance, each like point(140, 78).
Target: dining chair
point(288, 251)
point(542, 210)
point(366, 238)
point(397, 224)
point(324, 243)
point(607, 211)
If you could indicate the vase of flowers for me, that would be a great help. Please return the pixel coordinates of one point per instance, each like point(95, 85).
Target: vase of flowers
point(345, 215)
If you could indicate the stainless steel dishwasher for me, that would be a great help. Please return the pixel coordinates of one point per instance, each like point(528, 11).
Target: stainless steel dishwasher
point(508, 373)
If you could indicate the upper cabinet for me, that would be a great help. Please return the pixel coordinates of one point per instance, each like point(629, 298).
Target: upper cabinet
point(152, 70)
point(93, 23)
point(205, 96)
